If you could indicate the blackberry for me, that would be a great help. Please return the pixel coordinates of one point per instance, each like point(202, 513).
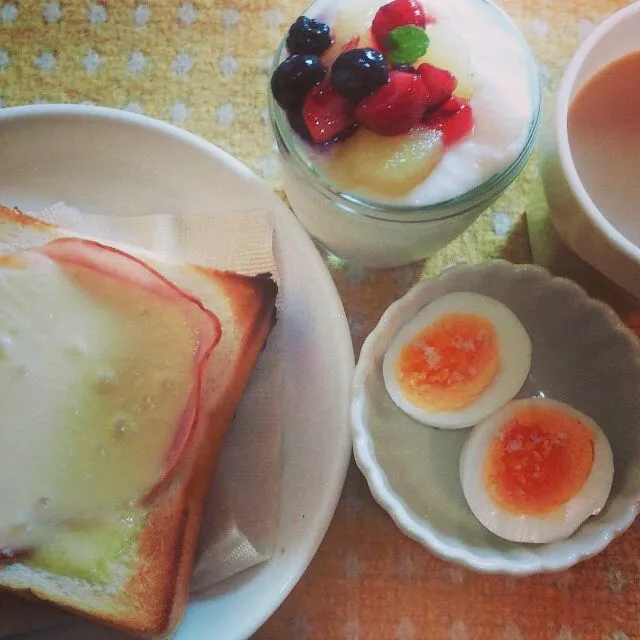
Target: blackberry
point(294, 78)
point(308, 36)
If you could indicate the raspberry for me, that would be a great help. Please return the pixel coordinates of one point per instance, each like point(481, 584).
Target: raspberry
point(326, 113)
point(440, 84)
point(395, 107)
point(454, 118)
point(458, 125)
point(397, 13)
point(452, 105)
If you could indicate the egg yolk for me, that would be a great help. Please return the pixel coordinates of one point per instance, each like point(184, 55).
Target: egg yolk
point(449, 363)
point(538, 461)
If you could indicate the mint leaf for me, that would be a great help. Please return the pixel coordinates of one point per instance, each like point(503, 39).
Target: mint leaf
point(404, 45)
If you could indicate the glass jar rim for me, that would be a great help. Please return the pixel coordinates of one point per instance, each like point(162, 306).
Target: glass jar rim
point(458, 205)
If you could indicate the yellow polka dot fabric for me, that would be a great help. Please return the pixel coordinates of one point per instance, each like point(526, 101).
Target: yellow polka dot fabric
point(204, 65)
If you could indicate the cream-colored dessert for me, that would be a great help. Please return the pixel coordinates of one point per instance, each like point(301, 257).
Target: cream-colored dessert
point(491, 66)
point(403, 107)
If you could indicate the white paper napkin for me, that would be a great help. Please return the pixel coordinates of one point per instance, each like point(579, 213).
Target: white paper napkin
point(240, 523)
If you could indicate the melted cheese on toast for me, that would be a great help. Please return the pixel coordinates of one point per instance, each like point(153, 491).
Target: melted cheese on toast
point(99, 386)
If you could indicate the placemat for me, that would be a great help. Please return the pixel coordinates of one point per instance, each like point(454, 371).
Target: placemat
point(204, 65)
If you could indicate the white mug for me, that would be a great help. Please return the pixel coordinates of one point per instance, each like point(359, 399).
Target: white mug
point(578, 220)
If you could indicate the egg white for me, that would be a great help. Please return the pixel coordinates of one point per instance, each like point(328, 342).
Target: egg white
point(556, 525)
point(514, 348)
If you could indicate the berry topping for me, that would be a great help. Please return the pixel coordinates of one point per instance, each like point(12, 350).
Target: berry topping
point(389, 166)
point(326, 113)
point(440, 84)
point(298, 124)
point(308, 36)
point(343, 135)
point(458, 125)
point(294, 78)
point(405, 68)
point(396, 106)
point(357, 73)
point(397, 13)
point(454, 118)
point(452, 105)
point(448, 51)
point(404, 45)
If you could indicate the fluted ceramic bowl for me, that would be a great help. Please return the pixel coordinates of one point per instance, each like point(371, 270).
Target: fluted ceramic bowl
point(582, 355)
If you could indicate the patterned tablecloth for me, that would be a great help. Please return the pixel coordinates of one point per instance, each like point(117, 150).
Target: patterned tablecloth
point(203, 65)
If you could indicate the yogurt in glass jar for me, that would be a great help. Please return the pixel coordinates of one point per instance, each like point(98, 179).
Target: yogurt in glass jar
point(413, 120)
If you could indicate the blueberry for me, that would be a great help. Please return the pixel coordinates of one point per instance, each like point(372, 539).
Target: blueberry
point(308, 36)
point(294, 78)
point(406, 68)
point(357, 73)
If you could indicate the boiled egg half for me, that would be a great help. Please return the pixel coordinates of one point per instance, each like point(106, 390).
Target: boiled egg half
point(460, 359)
point(536, 470)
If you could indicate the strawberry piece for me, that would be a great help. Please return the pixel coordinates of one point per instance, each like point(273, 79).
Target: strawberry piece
point(454, 118)
point(452, 105)
point(447, 51)
point(458, 125)
point(326, 113)
point(440, 84)
point(398, 13)
point(395, 107)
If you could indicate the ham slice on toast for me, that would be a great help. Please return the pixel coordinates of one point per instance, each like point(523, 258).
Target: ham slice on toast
point(148, 594)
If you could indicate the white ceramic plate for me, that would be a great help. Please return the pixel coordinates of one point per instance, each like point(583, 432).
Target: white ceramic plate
point(582, 355)
point(108, 161)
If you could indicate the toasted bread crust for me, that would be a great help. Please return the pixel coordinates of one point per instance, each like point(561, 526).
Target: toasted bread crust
point(254, 301)
point(154, 598)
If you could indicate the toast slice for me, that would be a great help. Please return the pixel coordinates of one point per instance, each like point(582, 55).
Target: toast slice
point(148, 593)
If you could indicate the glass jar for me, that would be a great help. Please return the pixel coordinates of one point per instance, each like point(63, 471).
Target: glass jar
point(380, 234)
